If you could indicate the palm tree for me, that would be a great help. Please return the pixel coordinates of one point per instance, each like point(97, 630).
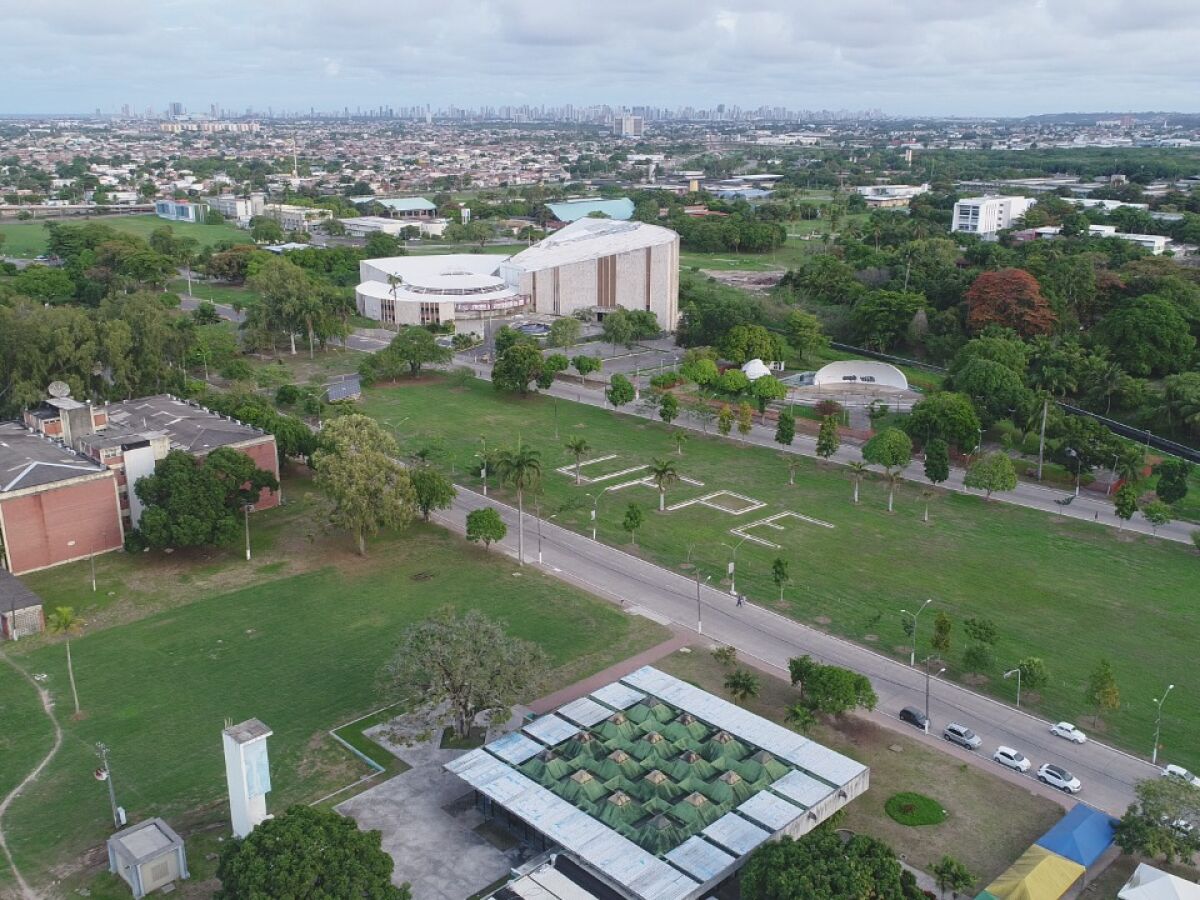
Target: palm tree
point(741, 685)
point(64, 621)
point(799, 717)
point(858, 469)
point(926, 496)
point(577, 447)
point(892, 475)
point(664, 474)
point(521, 468)
point(794, 464)
point(680, 437)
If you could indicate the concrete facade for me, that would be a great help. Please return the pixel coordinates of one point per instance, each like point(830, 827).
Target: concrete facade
point(599, 264)
point(989, 214)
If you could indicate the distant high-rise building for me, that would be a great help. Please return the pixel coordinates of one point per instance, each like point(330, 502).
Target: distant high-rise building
point(125, 110)
point(629, 126)
point(175, 110)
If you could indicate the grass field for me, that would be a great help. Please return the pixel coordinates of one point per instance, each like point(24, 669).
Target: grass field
point(217, 293)
point(1067, 591)
point(298, 642)
point(28, 239)
point(972, 831)
point(801, 243)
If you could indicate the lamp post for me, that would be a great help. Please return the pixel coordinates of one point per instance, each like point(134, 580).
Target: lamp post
point(1112, 478)
point(699, 615)
point(1158, 723)
point(595, 506)
point(912, 656)
point(1074, 454)
point(482, 454)
point(733, 564)
point(246, 516)
point(927, 680)
point(104, 773)
point(1017, 672)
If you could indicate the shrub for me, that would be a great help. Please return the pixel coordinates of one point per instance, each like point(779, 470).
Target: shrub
point(237, 370)
point(666, 380)
point(914, 809)
point(828, 408)
point(286, 395)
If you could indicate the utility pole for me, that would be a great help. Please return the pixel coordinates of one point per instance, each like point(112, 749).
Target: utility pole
point(1017, 672)
point(1042, 439)
point(699, 614)
point(912, 656)
point(246, 515)
point(927, 680)
point(1158, 723)
point(104, 773)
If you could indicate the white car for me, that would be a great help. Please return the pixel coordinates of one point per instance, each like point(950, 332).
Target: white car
point(1068, 731)
point(1182, 774)
point(1058, 777)
point(1013, 759)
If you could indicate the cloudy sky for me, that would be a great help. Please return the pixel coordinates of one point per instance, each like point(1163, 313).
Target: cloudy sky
point(960, 57)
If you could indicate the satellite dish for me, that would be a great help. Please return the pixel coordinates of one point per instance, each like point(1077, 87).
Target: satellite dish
point(59, 389)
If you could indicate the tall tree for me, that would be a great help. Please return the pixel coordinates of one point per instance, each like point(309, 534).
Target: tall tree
point(468, 662)
point(785, 428)
point(485, 525)
point(521, 469)
point(858, 468)
point(945, 416)
point(634, 517)
point(993, 472)
point(951, 875)
point(805, 335)
point(725, 419)
point(578, 447)
point(891, 449)
point(431, 489)
point(620, 391)
point(663, 473)
point(585, 366)
point(943, 625)
point(1010, 298)
point(828, 440)
point(307, 854)
point(287, 300)
point(416, 347)
point(1148, 335)
point(779, 574)
point(1151, 824)
point(668, 408)
point(359, 470)
point(745, 419)
point(62, 620)
point(1173, 475)
point(1103, 695)
point(1125, 503)
point(1157, 514)
point(821, 864)
point(519, 365)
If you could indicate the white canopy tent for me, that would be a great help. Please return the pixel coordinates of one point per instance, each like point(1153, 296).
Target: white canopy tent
point(1149, 883)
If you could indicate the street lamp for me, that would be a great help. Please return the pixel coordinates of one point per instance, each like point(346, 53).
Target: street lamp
point(1158, 722)
point(537, 512)
point(1074, 454)
point(912, 656)
point(595, 506)
point(246, 515)
point(1112, 478)
point(927, 679)
point(1017, 672)
point(699, 616)
point(733, 564)
point(482, 454)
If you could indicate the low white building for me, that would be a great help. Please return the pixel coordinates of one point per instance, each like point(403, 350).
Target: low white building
point(988, 215)
point(600, 264)
point(178, 211)
point(433, 290)
point(361, 226)
point(1155, 243)
point(237, 209)
point(296, 218)
point(889, 196)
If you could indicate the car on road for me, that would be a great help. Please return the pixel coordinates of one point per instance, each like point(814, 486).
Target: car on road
point(1068, 731)
point(961, 735)
point(914, 717)
point(1173, 771)
point(1058, 777)
point(1013, 759)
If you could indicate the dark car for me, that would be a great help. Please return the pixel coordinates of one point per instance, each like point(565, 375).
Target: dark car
point(914, 717)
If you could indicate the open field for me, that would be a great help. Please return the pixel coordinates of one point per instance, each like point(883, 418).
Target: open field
point(297, 645)
point(973, 833)
point(1067, 591)
point(28, 239)
point(801, 243)
point(217, 293)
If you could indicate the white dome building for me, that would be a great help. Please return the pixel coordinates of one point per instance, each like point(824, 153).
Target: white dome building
point(854, 372)
point(755, 369)
point(433, 290)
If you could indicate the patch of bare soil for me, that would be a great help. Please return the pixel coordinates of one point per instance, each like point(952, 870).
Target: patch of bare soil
point(754, 282)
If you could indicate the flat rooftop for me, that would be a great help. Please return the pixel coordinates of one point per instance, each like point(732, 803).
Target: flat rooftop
point(587, 239)
point(188, 427)
point(659, 787)
point(28, 460)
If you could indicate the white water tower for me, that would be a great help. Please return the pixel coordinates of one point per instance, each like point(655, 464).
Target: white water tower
point(248, 773)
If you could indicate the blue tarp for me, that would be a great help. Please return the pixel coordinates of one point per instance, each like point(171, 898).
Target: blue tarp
point(1082, 835)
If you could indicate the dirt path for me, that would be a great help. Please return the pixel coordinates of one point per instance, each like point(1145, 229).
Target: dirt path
point(48, 705)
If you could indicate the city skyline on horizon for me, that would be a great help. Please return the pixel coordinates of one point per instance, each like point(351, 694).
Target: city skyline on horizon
point(915, 59)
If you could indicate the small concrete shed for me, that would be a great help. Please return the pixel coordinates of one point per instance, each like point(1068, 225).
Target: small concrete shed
point(147, 856)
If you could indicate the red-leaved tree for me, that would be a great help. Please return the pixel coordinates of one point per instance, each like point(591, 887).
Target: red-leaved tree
point(1011, 298)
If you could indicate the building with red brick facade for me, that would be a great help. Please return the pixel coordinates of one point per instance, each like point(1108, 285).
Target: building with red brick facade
point(65, 474)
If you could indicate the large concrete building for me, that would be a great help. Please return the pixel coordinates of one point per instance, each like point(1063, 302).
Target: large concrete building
point(67, 470)
point(600, 264)
point(654, 788)
point(591, 265)
point(433, 290)
point(989, 214)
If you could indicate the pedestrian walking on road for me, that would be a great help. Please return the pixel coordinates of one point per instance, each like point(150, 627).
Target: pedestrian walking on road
point(741, 599)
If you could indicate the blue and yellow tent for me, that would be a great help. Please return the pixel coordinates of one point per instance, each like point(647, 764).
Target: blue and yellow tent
point(1037, 875)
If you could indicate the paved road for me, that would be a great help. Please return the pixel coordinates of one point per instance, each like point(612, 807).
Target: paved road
point(1086, 507)
point(1108, 775)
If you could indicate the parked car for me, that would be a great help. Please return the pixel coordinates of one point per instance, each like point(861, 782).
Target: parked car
point(1173, 771)
point(1014, 759)
point(961, 735)
point(1068, 731)
point(914, 717)
point(1058, 777)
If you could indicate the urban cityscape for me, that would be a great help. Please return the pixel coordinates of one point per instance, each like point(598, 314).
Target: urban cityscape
point(700, 453)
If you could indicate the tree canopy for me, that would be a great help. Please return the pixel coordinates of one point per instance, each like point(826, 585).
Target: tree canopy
point(821, 865)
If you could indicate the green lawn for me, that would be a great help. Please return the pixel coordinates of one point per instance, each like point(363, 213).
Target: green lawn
point(217, 293)
point(1070, 592)
point(28, 239)
point(301, 652)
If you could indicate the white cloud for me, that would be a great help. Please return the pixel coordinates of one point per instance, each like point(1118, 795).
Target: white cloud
point(906, 56)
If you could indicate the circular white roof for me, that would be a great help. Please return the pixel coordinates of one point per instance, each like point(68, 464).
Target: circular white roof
point(852, 371)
